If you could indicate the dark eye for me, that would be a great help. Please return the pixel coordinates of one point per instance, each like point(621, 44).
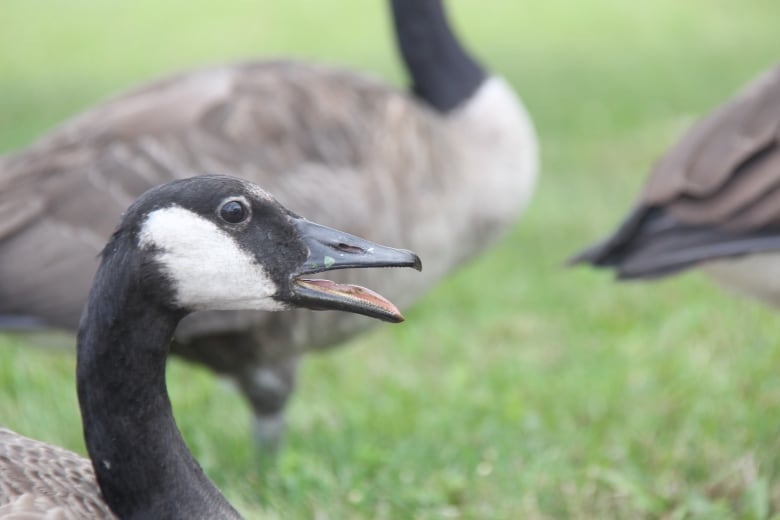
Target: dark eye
point(234, 212)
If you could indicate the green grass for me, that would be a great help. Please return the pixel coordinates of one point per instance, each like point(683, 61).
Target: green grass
point(517, 389)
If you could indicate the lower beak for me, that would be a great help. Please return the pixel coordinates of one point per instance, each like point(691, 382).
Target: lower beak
point(330, 249)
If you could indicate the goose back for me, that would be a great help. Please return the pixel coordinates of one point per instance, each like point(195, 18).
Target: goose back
point(339, 146)
point(45, 481)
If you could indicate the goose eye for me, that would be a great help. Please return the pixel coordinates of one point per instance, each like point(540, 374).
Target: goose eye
point(233, 212)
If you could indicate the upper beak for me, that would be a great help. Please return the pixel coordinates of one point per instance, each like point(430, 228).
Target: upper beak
point(331, 249)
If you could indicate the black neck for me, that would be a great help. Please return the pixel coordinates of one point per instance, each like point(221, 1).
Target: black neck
point(442, 73)
point(141, 461)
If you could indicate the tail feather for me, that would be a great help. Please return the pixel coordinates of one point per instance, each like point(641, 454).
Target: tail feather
point(651, 244)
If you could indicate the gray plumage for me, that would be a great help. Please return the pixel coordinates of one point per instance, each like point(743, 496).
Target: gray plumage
point(712, 201)
point(447, 183)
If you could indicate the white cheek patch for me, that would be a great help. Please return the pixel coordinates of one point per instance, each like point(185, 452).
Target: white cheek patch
point(207, 268)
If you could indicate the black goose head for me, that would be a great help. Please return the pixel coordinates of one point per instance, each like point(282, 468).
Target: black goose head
point(222, 243)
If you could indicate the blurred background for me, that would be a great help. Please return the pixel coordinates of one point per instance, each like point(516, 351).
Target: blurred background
point(518, 388)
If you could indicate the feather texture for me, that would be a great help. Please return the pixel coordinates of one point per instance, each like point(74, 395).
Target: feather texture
point(714, 195)
point(44, 482)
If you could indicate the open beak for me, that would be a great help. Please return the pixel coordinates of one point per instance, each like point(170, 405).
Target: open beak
point(330, 249)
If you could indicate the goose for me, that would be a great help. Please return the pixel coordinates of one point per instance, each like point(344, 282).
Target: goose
point(711, 202)
point(209, 242)
point(445, 168)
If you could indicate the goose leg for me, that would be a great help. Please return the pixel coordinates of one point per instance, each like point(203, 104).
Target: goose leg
point(268, 386)
point(266, 381)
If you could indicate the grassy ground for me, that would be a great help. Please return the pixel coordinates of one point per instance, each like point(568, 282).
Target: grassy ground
point(518, 389)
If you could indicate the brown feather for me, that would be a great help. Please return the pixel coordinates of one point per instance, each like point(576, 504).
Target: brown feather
point(715, 194)
point(725, 163)
point(41, 481)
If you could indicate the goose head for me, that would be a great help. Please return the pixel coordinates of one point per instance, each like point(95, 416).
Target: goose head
point(203, 243)
point(222, 243)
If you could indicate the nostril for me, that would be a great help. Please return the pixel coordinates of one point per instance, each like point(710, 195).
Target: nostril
point(347, 248)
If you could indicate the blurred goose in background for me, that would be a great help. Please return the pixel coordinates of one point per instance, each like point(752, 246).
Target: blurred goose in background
point(713, 202)
point(445, 169)
point(210, 242)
